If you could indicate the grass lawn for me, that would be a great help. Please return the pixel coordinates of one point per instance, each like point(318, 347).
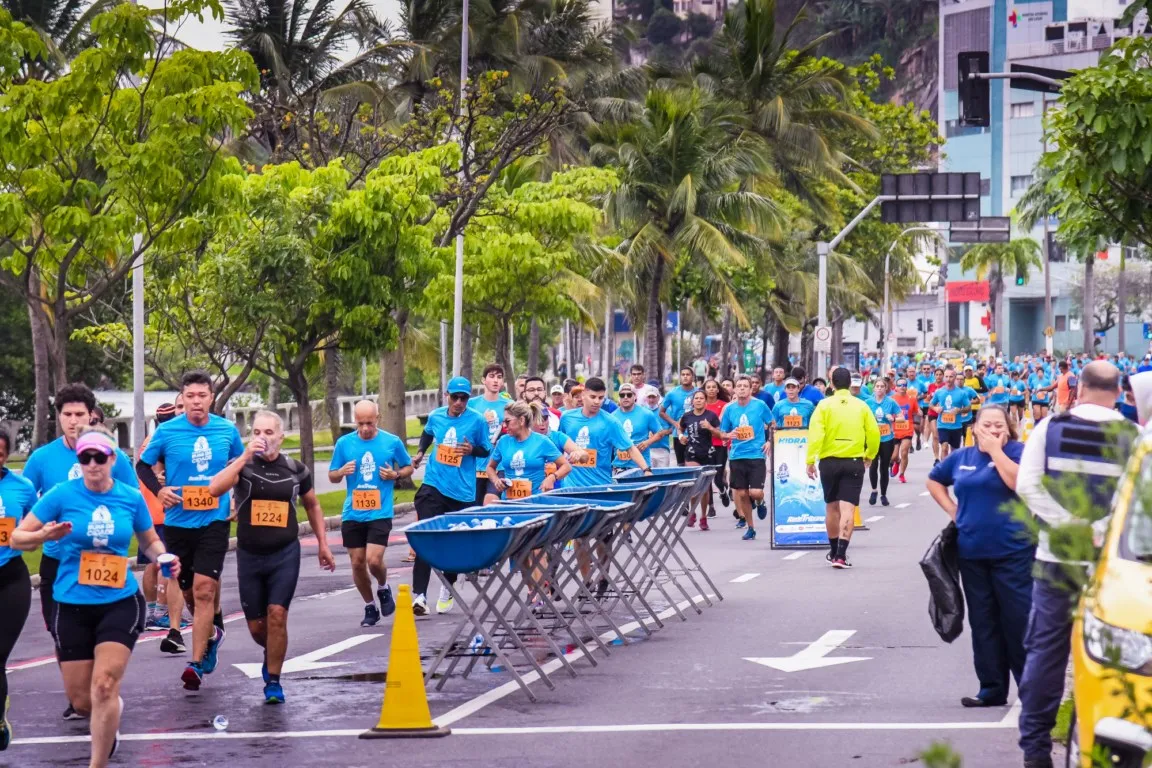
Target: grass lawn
point(1063, 722)
point(331, 502)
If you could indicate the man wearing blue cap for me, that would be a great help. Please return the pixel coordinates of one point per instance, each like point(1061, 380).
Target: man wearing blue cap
point(460, 435)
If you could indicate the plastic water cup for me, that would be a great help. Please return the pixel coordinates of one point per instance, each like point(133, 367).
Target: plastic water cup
point(165, 562)
point(220, 723)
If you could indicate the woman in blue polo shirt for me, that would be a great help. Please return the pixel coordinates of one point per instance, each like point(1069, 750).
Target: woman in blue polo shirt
point(16, 497)
point(99, 607)
point(996, 550)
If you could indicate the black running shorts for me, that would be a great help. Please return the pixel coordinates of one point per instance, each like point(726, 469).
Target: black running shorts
point(842, 479)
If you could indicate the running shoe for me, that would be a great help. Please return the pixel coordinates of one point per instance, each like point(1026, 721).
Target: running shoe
point(387, 604)
point(445, 602)
point(830, 559)
point(692, 520)
point(704, 524)
point(601, 588)
point(724, 499)
point(5, 726)
point(762, 511)
point(918, 442)
point(894, 471)
point(872, 499)
point(72, 714)
point(937, 461)
point(420, 605)
point(192, 677)
point(902, 478)
point(883, 501)
point(841, 562)
point(371, 616)
point(712, 511)
point(749, 534)
point(173, 643)
point(740, 523)
point(212, 655)
point(155, 623)
point(264, 670)
point(273, 693)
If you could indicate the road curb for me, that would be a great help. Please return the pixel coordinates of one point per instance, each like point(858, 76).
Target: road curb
point(331, 523)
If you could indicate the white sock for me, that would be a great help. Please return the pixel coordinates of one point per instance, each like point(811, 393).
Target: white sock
point(370, 602)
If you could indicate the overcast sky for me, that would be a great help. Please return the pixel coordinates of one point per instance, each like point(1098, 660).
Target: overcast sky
point(209, 35)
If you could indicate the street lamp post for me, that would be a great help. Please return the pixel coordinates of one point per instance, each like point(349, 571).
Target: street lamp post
point(887, 319)
point(458, 293)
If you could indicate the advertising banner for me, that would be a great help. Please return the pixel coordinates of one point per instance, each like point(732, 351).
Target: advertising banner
point(797, 501)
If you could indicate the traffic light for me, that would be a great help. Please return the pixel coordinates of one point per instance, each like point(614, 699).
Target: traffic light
point(930, 324)
point(920, 324)
point(1020, 279)
point(975, 94)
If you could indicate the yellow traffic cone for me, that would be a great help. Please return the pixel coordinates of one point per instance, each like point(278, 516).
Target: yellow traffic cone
point(858, 520)
point(405, 713)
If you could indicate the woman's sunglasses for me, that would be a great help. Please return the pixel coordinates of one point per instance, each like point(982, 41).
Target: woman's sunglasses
point(88, 457)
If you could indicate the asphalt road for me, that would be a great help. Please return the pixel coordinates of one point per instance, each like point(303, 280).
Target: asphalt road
point(685, 697)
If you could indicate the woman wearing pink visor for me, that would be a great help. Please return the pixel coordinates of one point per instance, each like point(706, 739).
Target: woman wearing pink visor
point(99, 607)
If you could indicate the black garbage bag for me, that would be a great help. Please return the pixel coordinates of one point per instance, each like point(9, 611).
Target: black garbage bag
point(941, 566)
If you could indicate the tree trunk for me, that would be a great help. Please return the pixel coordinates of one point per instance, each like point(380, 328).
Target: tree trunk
point(273, 394)
point(654, 322)
point(725, 344)
point(837, 355)
point(780, 339)
point(1122, 300)
point(58, 352)
point(500, 348)
point(661, 349)
point(332, 391)
point(1088, 321)
point(298, 383)
point(533, 348)
point(996, 294)
point(807, 353)
point(391, 391)
point(762, 369)
point(42, 378)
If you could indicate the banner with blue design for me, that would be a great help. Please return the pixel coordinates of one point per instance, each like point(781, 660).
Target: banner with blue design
point(797, 500)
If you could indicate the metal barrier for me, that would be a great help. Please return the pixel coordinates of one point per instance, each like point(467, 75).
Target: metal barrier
point(531, 594)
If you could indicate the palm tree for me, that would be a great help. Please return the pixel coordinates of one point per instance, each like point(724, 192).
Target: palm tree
point(792, 98)
point(687, 171)
point(1016, 257)
point(64, 27)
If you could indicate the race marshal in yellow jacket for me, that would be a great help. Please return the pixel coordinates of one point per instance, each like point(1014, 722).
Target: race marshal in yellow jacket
point(843, 438)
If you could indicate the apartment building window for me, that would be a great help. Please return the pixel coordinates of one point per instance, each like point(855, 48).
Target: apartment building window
point(1061, 323)
point(1021, 183)
point(1023, 109)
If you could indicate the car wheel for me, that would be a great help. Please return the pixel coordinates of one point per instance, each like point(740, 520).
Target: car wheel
point(1072, 753)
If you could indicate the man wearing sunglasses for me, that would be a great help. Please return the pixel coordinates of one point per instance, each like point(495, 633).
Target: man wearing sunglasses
point(461, 438)
point(55, 463)
point(641, 425)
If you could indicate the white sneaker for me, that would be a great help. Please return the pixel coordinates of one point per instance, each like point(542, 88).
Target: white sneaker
point(445, 603)
point(420, 605)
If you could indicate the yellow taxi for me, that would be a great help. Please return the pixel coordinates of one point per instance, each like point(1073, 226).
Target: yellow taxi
point(1112, 634)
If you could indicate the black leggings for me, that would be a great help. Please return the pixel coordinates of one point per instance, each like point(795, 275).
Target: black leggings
point(430, 502)
point(15, 602)
point(720, 459)
point(883, 465)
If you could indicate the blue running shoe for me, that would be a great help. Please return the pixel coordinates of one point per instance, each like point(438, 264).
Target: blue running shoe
point(273, 693)
point(192, 677)
point(212, 656)
point(387, 603)
point(740, 523)
point(161, 622)
point(749, 534)
point(264, 671)
point(371, 616)
point(762, 511)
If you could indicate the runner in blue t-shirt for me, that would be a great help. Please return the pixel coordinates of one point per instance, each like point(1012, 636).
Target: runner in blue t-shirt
point(999, 385)
point(194, 448)
point(951, 401)
point(524, 462)
point(369, 461)
point(16, 497)
point(99, 611)
point(676, 403)
point(642, 426)
point(1017, 391)
point(490, 405)
point(793, 412)
point(887, 411)
point(746, 421)
point(458, 438)
point(1040, 386)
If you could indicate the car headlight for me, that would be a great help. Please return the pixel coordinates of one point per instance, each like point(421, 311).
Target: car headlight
point(1122, 648)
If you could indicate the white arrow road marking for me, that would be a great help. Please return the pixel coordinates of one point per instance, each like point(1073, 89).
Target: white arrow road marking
point(743, 578)
point(815, 655)
point(311, 661)
point(796, 555)
point(905, 505)
point(925, 493)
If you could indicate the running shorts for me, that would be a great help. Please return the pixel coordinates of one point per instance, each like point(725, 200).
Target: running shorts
point(359, 535)
point(201, 550)
point(952, 437)
point(141, 558)
point(78, 629)
point(266, 580)
point(746, 474)
point(842, 479)
point(681, 451)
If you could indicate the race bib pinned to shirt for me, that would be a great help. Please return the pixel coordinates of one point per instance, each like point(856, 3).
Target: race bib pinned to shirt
point(520, 489)
point(196, 498)
point(885, 429)
point(624, 455)
point(447, 455)
point(7, 526)
point(948, 418)
point(744, 433)
point(589, 460)
point(366, 500)
point(99, 569)
point(273, 514)
point(793, 422)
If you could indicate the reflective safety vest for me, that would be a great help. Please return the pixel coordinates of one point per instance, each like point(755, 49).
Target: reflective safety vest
point(1083, 461)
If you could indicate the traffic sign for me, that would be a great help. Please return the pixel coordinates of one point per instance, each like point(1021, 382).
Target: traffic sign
point(822, 339)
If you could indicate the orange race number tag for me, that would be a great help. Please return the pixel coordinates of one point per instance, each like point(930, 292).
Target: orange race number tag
point(366, 500)
point(7, 526)
point(446, 454)
point(947, 418)
point(901, 425)
point(273, 514)
point(744, 433)
point(793, 422)
point(998, 390)
point(98, 569)
point(197, 499)
point(624, 455)
point(589, 461)
point(520, 489)
point(885, 430)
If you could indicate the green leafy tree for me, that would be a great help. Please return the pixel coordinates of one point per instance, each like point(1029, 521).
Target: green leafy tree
point(98, 169)
point(63, 25)
point(1019, 256)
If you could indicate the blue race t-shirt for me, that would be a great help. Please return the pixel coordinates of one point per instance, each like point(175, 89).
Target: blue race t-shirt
point(676, 401)
point(1035, 382)
point(102, 523)
point(949, 402)
point(639, 424)
point(984, 517)
point(16, 497)
point(492, 411)
point(787, 412)
point(455, 476)
point(524, 463)
point(1016, 391)
point(973, 398)
point(999, 388)
point(192, 456)
point(601, 436)
point(775, 392)
point(748, 422)
point(55, 463)
point(886, 412)
point(368, 497)
point(811, 394)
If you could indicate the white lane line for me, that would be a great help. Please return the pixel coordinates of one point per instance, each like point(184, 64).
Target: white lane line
point(925, 493)
point(743, 578)
point(905, 505)
point(510, 687)
point(874, 518)
point(535, 730)
point(1012, 716)
point(796, 555)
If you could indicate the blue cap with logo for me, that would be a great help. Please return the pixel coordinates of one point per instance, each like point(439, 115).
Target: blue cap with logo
point(460, 386)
